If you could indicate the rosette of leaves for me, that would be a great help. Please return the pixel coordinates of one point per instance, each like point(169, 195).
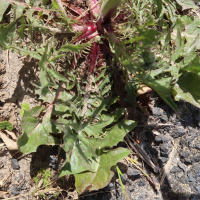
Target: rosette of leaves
point(77, 107)
point(89, 129)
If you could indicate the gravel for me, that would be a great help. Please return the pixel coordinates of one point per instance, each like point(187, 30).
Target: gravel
point(15, 164)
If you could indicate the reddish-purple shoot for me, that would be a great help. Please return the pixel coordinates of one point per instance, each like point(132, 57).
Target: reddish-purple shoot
point(90, 27)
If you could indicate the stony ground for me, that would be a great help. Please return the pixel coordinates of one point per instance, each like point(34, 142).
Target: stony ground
point(171, 141)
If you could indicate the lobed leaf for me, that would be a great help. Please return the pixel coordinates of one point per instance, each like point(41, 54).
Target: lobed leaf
point(103, 175)
point(162, 87)
point(187, 88)
point(36, 132)
point(3, 8)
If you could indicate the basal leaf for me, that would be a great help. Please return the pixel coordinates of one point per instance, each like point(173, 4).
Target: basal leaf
point(80, 153)
point(179, 45)
point(187, 4)
point(81, 150)
point(18, 10)
point(162, 87)
point(3, 7)
point(117, 133)
point(187, 88)
point(6, 33)
point(36, 132)
point(94, 181)
point(96, 129)
point(193, 66)
point(43, 71)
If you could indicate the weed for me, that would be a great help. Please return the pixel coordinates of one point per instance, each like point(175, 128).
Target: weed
point(140, 41)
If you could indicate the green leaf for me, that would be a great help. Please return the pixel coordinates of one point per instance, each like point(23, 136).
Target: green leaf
point(3, 7)
point(6, 33)
point(24, 106)
point(6, 125)
point(193, 66)
point(131, 94)
point(162, 87)
point(43, 71)
point(187, 88)
point(179, 44)
point(187, 4)
point(36, 132)
point(96, 129)
point(117, 133)
point(103, 175)
point(18, 10)
point(159, 5)
point(108, 7)
point(148, 36)
point(73, 48)
point(81, 151)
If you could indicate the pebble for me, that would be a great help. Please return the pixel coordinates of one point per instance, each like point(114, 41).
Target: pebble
point(131, 188)
point(15, 190)
point(198, 188)
point(124, 178)
point(110, 186)
point(141, 182)
point(159, 112)
point(175, 169)
point(15, 164)
point(179, 132)
point(133, 172)
point(162, 138)
point(197, 157)
point(182, 166)
point(191, 178)
point(165, 149)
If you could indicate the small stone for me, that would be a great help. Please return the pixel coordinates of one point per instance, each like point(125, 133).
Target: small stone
point(197, 145)
point(183, 179)
point(197, 157)
point(15, 191)
point(197, 174)
point(53, 159)
point(158, 139)
point(164, 117)
point(164, 159)
point(198, 188)
point(162, 138)
point(157, 111)
point(179, 132)
point(141, 182)
point(182, 166)
point(131, 188)
point(111, 186)
point(191, 178)
point(113, 198)
point(55, 166)
point(15, 164)
point(175, 169)
point(124, 178)
point(133, 172)
point(165, 149)
point(198, 180)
